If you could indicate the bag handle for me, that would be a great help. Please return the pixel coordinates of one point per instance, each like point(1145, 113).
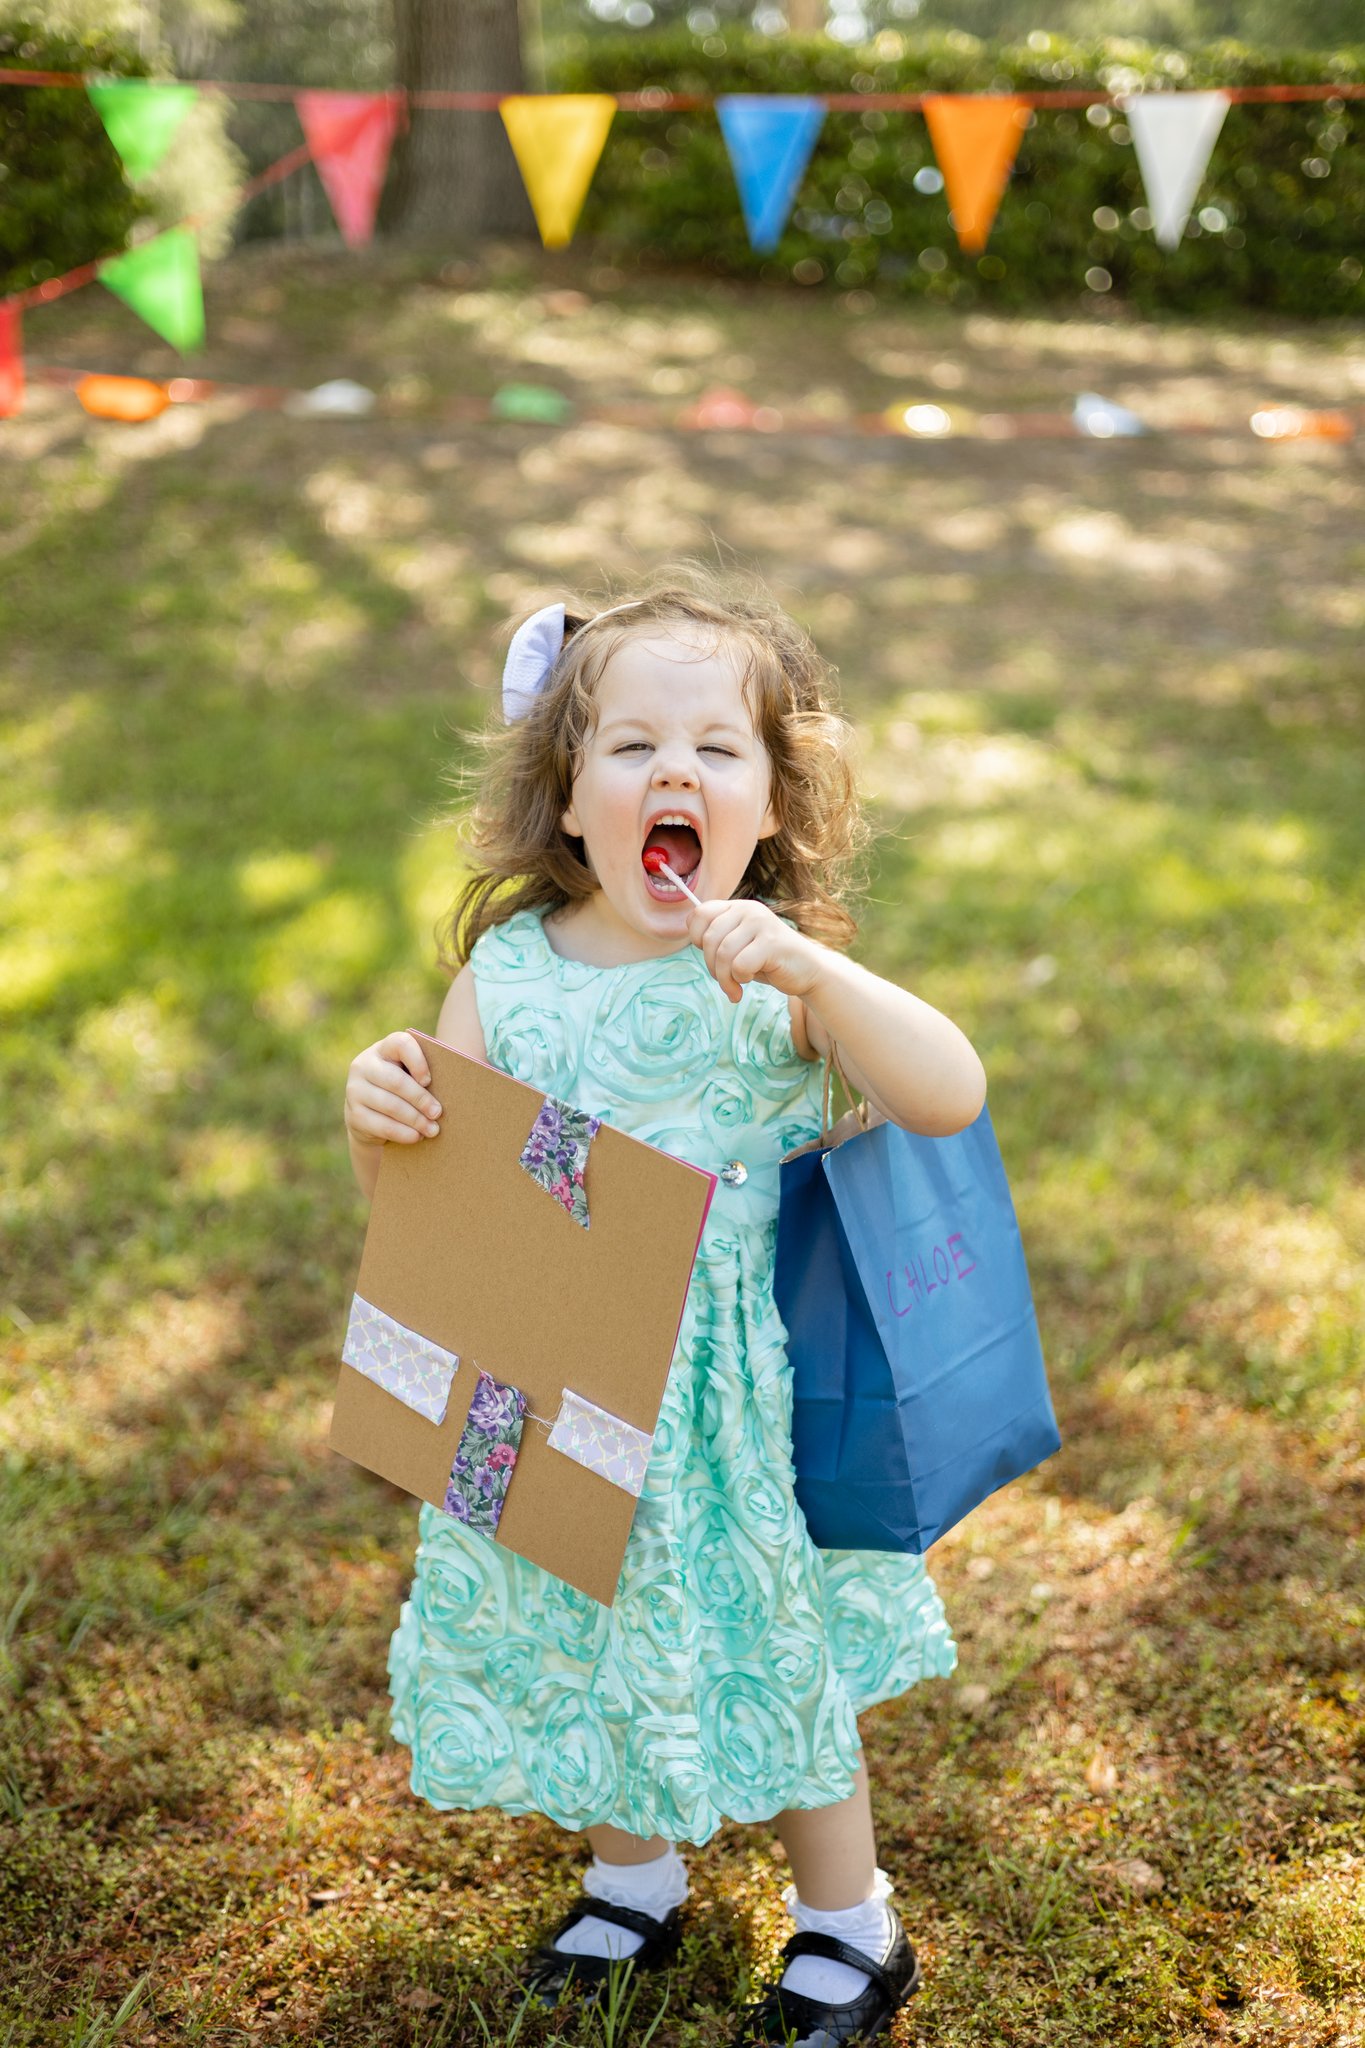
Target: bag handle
point(833, 1065)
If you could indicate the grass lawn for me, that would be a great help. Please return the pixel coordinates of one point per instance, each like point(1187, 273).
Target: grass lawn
point(1110, 695)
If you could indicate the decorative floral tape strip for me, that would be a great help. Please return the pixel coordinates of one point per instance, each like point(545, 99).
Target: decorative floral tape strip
point(485, 1454)
point(414, 1369)
point(601, 1442)
point(556, 1154)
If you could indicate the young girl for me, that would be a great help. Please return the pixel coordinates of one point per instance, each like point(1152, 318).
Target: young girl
point(725, 1681)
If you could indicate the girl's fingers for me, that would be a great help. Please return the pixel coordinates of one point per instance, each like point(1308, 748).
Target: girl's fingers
point(725, 940)
point(722, 968)
point(721, 927)
point(383, 1129)
point(387, 1074)
point(403, 1047)
point(387, 1096)
point(707, 926)
point(723, 973)
point(735, 948)
point(749, 961)
point(383, 1101)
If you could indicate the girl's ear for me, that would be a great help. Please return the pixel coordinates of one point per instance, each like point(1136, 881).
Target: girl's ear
point(568, 822)
point(772, 824)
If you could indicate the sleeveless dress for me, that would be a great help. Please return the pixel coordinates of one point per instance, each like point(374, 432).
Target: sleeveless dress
point(725, 1681)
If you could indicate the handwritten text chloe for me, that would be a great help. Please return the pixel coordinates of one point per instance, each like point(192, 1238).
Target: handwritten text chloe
point(947, 1263)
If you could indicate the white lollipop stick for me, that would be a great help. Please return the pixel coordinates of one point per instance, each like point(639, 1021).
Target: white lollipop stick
point(661, 867)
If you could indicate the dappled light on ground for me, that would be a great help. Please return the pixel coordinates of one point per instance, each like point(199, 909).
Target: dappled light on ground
point(1107, 697)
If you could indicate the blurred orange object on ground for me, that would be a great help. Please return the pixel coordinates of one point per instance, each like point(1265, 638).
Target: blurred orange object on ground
point(1291, 423)
point(122, 398)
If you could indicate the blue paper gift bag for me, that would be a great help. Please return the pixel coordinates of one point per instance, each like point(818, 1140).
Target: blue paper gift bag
point(918, 1385)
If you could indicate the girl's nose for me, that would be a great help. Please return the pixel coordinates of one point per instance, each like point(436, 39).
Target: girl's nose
point(673, 771)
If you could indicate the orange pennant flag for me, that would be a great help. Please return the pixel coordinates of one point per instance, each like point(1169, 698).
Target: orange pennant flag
point(557, 138)
point(975, 138)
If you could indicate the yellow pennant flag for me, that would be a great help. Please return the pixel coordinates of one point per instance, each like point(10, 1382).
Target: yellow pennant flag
point(557, 138)
point(976, 139)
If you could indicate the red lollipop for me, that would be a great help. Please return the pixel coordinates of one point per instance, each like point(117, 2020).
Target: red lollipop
point(655, 860)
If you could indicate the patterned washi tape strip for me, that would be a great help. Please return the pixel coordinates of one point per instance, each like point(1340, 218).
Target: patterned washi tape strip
point(414, 1369)
point(601, 1442)
point(556, 1154)
point(486, 1454)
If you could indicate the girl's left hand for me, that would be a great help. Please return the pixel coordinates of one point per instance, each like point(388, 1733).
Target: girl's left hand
point(745, 941)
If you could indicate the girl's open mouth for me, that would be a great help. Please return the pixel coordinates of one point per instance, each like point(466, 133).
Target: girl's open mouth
point(681, 848)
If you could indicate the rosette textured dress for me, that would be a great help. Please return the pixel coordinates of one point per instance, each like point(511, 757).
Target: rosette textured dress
point(725, 1681)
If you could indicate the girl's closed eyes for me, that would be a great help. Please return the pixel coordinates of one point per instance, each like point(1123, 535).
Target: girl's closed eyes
point(641, 746)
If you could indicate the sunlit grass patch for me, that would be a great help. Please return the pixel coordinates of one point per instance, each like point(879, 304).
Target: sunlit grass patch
point(1321, 1919)
point(1109, 714)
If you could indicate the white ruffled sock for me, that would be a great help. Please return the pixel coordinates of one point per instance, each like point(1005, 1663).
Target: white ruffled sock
point(870, 1927)
point(653, 1888)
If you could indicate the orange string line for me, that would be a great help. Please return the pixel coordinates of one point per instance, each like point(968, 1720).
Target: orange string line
point(996, 426)
point(652, 100)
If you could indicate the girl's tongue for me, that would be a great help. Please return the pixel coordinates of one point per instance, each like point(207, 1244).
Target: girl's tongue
point(679, 846)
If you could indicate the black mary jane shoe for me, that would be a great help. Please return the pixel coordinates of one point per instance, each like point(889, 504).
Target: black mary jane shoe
point(791, 2017)
point(547, 1971)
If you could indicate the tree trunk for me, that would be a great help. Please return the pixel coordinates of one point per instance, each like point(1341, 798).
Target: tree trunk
point(806, 17)
point(454, 174)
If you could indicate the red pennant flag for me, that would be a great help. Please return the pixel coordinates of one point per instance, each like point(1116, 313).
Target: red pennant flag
point(11, 359)
point(350, 135)
point(723, 407)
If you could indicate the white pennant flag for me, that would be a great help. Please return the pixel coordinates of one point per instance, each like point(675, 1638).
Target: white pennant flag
point(1174, 133)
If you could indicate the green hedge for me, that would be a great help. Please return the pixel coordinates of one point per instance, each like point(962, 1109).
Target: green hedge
point(1288, 179)
point(63, 196)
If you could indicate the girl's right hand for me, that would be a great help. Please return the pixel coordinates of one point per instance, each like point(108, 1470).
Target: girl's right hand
point(387, 1094)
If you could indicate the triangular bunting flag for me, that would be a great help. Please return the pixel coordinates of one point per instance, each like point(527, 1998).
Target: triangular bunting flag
point(1102, 419)
point(721, 406)
point(975, 138)
point(770, 138)
point(11, 359)
point(350, 135)
point(531, 402)
point(160, 281)
point(557, 138)
point(140, 118)
point(1174, 134)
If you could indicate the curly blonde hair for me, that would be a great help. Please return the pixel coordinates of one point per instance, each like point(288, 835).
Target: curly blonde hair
point(524, 773)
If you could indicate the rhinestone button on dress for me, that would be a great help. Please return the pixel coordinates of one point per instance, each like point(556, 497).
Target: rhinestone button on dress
point(735, 1173)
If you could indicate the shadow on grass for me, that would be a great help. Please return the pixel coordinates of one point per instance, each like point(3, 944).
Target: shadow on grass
point(1124, 846)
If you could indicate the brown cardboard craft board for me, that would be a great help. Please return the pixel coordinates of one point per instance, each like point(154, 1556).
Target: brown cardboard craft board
point(467, 1249)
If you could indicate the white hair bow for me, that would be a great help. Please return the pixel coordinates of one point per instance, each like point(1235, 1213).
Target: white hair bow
point(535, 648)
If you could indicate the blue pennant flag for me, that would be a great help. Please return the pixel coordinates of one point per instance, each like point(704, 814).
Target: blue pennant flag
point(770, 138)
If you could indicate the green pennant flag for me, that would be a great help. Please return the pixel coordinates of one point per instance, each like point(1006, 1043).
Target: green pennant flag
point(531, 402)
point(160, 281)
point(140, 118)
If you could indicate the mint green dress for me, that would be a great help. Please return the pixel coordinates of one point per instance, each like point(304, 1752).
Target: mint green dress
point(725, 1681)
